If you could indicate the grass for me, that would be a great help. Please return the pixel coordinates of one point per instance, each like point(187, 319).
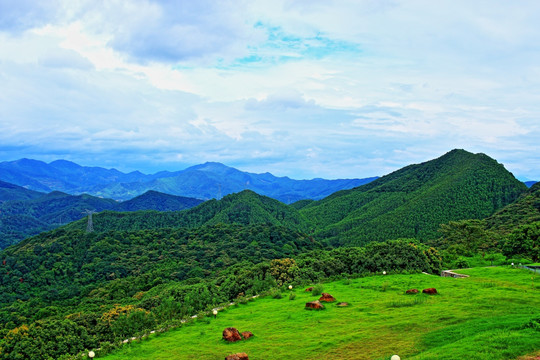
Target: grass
point(480, 317)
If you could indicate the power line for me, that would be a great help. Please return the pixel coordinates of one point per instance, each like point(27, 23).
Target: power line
point(90, 226)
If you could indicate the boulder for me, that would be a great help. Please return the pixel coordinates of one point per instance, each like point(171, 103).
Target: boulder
point(231, 334)
point(314, 305)
point(430, 291)
point(411, 291)
point(239, 356)
point(247, 334)
point(309, 288)
point(342, 304)
point(327, 297)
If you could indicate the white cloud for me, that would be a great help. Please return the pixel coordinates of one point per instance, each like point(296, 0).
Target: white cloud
point(303, 88)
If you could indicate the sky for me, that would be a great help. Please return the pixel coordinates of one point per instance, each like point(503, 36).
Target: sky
point(305, 88)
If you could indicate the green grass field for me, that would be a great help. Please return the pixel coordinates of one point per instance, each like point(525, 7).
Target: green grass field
point(481, 317)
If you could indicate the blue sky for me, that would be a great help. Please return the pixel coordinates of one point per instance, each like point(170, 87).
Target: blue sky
point(307, 88)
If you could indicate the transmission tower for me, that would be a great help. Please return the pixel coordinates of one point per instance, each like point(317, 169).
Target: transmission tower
point(90, 226)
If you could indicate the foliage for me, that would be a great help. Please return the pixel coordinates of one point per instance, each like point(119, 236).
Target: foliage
point(44, 340)
point(524, 241)
point(511, 231)
point(317, 290)
point(283, 270)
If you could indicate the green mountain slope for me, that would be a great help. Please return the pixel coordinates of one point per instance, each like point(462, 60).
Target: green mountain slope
point(24, 218)
point(67, 271)
point(380, 321)
point(153, 200)
point(513, 231)
point(9, 192)
point(414, 200)
point(243, 208)
point(523, 211)
point(103, 287)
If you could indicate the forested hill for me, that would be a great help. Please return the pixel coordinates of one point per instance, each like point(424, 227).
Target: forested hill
point(410, 202)
point(153, 200)
point(525, 210)
point(243, 208)
point(36, 212)
point(415, 200)
point(10, 192)
point(513, 230)
point(70, 265)
point(22, 218)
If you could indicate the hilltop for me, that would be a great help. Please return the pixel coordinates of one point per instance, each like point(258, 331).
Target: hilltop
point(413, 201)
point(9, 192)
point(244, 208)
point(154, 200)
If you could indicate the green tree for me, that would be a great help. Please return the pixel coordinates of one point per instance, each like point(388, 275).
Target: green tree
point(524, 241)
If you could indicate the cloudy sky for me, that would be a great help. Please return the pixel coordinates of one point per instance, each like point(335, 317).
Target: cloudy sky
point(305, 88)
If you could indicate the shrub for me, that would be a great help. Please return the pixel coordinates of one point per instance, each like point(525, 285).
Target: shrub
point(276, 294)
point(317, 290)
point(461, 263)
point(292, 295)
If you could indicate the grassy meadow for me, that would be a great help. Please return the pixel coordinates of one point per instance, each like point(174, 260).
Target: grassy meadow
point(485, 316)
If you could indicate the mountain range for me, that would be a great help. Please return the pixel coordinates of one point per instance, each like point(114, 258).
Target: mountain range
point(409, 203)
point(205, 181)
point(26, 212)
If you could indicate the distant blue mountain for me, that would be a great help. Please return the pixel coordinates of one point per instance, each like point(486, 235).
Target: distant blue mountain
point(205, 181)
point(530, 183)
point(63, 175)
point(215, 180)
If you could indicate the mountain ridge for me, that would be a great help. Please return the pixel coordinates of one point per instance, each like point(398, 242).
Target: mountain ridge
point(23, 217)
point(414, 200)
point(203, 181)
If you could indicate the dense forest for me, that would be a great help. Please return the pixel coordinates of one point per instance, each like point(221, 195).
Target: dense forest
point(242, 208)
point(24, 213)
point(414, 201)
point(513, 231)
